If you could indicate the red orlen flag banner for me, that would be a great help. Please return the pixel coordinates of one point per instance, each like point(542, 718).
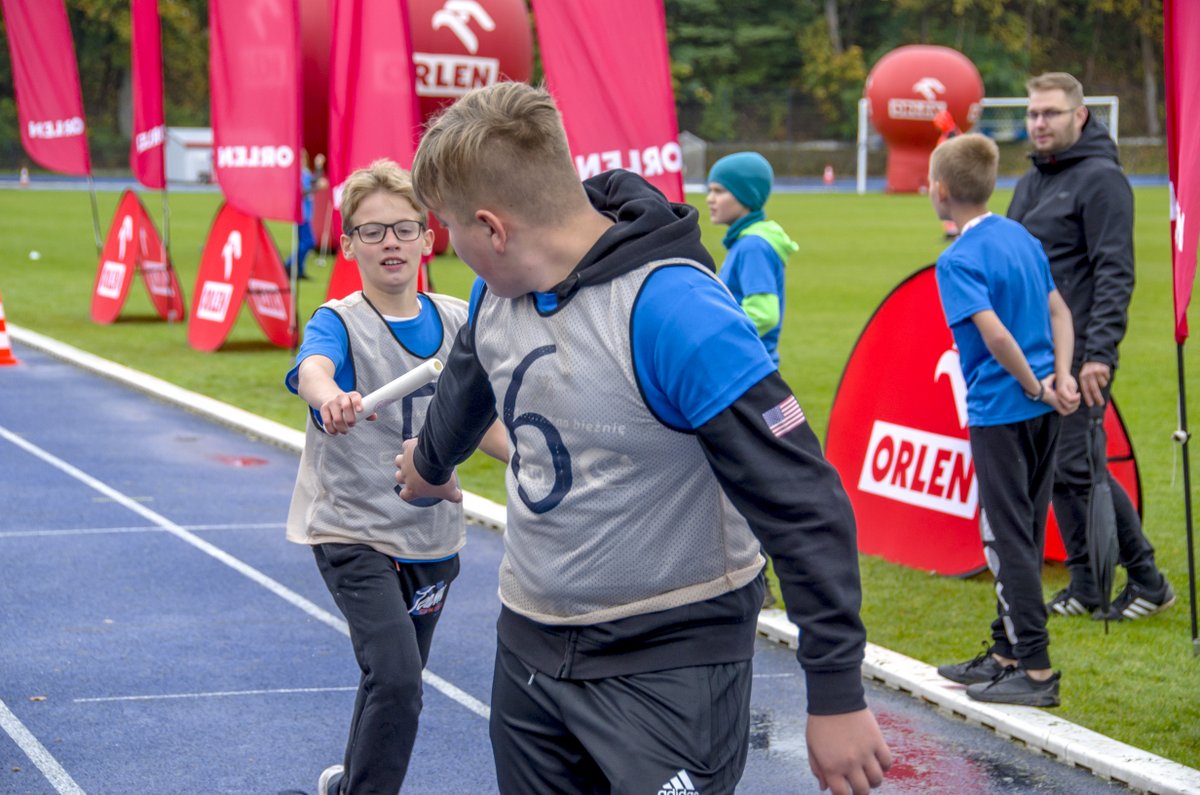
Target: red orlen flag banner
point(147, 146)
point(269, 293)
point(606, 64)
point(898, 437)
point(1181, 75)
point(225, 268)
point(240, 262)
point(373, 106)
point(134, 245)
point(254, 72)
point(46, 84)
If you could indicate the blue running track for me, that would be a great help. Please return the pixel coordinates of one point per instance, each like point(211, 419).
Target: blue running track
point(158, 634)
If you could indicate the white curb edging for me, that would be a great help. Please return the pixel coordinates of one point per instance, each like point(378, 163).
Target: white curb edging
point(1034, 728)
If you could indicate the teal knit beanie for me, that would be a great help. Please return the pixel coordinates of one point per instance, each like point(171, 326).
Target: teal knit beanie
point(747, 175)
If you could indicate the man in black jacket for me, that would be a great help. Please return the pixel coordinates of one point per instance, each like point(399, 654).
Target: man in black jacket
point(1077, 201)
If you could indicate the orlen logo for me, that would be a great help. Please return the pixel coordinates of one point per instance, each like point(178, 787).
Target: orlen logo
point(214, 301)
point(925, 469)
point(442, 75)
point(56, 128)
point(649, 162)
point(919, 109)
point(112, 276)
point(268, 301)
point(255, 156)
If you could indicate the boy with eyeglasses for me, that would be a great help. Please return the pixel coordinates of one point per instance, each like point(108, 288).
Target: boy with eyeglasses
point(1076, 200)
point(387, 564)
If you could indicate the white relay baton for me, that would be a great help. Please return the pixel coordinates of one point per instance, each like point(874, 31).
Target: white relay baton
point(401, 387)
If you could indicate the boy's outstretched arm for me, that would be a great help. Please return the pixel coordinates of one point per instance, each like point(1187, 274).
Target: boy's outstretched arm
point(315, 385)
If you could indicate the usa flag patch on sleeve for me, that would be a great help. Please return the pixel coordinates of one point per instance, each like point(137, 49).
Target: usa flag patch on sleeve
point(784, 417)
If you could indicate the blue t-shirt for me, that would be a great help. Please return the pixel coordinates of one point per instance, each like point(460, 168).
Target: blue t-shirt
point(997, 265)
point(325, 334)
point(695, 352)
point(753, 267)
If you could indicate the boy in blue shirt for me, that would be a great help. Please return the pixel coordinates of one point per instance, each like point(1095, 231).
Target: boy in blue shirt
point(738, 187)
point(388, 564)
point(1015, 338)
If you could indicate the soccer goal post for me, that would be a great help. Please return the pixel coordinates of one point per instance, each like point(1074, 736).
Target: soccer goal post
point(1001, 118)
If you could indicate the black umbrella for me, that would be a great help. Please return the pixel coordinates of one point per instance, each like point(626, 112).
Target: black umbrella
point(1102, 516)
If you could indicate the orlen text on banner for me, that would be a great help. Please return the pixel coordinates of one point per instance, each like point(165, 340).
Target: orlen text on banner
point(254, 74)
point(619, 110)
point(46, 84)
point(147, 146)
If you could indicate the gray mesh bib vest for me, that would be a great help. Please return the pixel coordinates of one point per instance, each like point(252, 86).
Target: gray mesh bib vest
point(353, 501)
point(579, 547)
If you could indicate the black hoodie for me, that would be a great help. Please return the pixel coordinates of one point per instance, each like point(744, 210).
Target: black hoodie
point(791, 496)
point(1079, 204)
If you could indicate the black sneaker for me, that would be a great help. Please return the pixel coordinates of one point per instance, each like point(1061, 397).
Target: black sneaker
point(1134, 601)
point(1067, 603)
point(1013, 686)
point(983, 668)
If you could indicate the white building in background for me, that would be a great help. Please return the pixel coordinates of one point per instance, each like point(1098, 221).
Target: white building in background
point(189, 154)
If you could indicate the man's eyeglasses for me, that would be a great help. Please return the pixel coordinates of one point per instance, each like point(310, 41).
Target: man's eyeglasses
point(1049, 115)
point(405, 231)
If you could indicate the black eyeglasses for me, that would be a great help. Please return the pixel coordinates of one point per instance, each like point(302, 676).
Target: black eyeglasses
point(1049, 115)
point(405, 231)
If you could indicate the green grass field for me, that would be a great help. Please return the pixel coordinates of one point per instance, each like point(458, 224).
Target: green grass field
point(1139, 684)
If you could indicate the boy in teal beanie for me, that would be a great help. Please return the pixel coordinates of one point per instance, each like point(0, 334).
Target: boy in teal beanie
point(738, 187)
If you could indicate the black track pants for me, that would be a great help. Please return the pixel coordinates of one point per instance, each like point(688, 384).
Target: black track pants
point(680, 732)
point(392, 611)
point(1014, 467)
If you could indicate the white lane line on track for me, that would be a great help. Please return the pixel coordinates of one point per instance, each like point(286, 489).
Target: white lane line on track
point(97, 531)
point(433, 680)
point(37, 753)
point(216, 694)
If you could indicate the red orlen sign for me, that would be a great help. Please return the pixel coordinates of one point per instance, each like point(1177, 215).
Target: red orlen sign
point(269, 294)
point(898, 437)
point(225, 268)
point(118, 261)
point(134, 245)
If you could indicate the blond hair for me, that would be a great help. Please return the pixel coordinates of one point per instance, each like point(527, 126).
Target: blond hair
point(1057, 81)
point(382, 176)
point(966, 165)
point(501, 146)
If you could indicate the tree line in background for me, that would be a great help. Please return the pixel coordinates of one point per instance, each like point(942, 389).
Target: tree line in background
point(744, 70)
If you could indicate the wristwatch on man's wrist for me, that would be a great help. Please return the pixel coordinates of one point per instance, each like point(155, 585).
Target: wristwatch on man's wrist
point(1036, 397)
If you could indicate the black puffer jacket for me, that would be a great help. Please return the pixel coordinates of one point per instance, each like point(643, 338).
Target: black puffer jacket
point(1080, 205)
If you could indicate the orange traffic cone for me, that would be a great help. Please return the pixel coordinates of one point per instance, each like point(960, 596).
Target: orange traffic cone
point(6, 354)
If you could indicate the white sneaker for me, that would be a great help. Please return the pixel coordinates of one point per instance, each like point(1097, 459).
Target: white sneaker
point(330, 781)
